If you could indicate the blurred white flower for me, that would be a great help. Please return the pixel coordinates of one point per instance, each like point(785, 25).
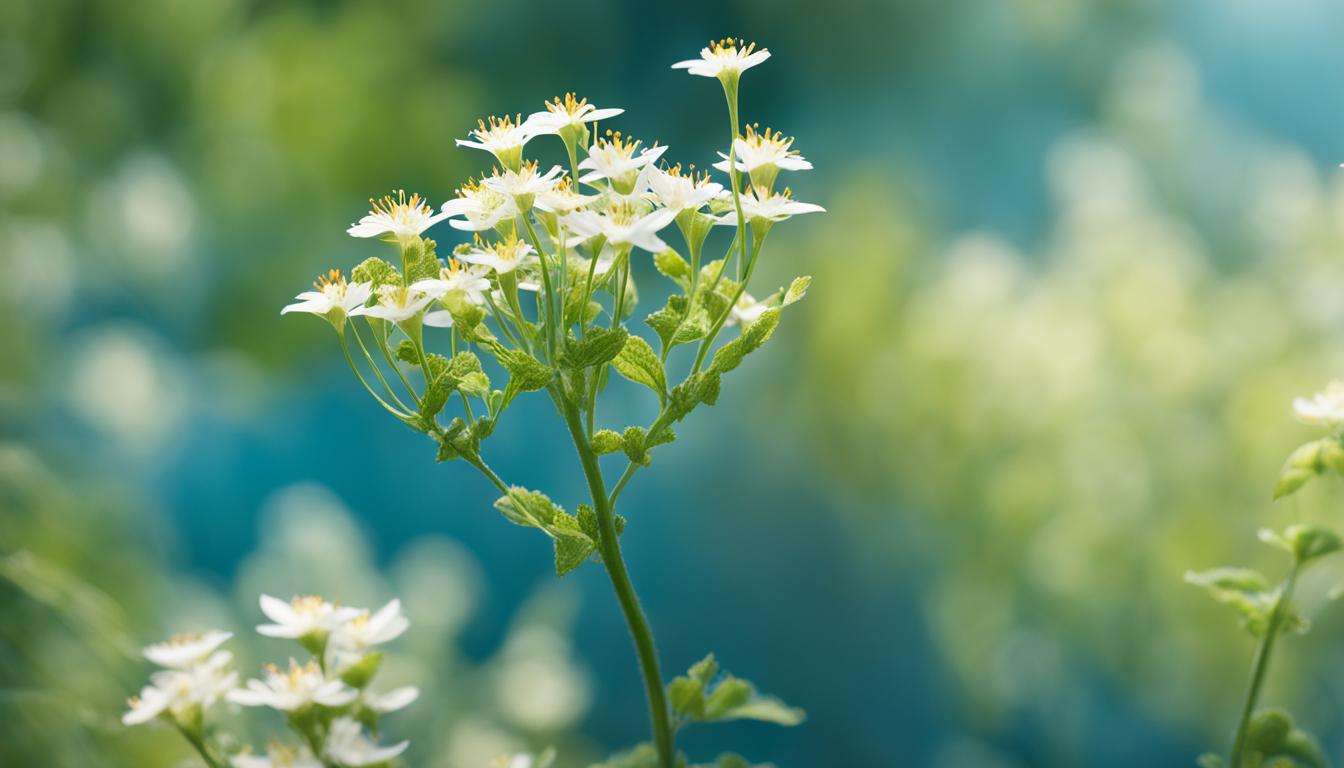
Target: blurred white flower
point(331, 293)
point(480, 207)
point(470, 280)
point(297, 687)
point(348, 746)
point(566, 112)
point(183, 651)
point(178, 691)
point(393, 700)
point(619, 160)
point(746, 311)
point(728, 57)
point(352, 639)
point(1325, 408)
point(302, 616)
point(397, 215)
point(677, 192)
point(396, 303)
point(523, 184)
point(278, 756)
point(761, 204)
point(563, 198)
point(622, 224)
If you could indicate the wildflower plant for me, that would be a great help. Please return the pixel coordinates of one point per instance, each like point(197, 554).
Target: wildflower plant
point(327, 701)
point(542, 294)
point(1268, 737)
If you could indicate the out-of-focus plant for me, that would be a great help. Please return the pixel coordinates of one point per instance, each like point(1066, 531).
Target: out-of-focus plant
point(1067, 426)
point(1269, 737)
point(568, 248)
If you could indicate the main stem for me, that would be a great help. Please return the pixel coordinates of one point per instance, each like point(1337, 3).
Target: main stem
point(1261, 667)
point(610, 550)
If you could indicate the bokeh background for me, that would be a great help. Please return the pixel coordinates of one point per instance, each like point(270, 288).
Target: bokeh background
point(1079, 257)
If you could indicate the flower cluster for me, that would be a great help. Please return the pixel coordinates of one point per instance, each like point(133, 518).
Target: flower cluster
point(327, 700)
point(541, 293)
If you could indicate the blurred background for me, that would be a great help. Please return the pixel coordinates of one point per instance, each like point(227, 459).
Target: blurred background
point(1080, 255)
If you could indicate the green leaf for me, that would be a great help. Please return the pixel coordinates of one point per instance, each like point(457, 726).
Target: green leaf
point(1308, 461)
point(664, 322)
point(687, 697)
point(705, 669)
point(598, 347)
point(530, 508)
point(639, 363)
point(671, 265)
point(1242, 588)
point(526, 372)
point(1210, 760)
point(703, 387)
point(607, 441)
point(1303, 541)
point(695, 697)
point(641, 756)
point(475, 384)
point(421, 261)
point(572, 545)
point(797, 290)
point(376, 272)
point(634, 443)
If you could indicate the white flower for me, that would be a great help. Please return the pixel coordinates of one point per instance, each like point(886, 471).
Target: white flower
point(278, 756)
point(302, 616)
point(469, 279)
point(350, 640)
point(622, 224)
point(1325, 408)
point(176, 691)
point(502, 256)
point(524, 182)
point(724, 58)
point(746, 311)
point(288, 690)
point(567, 112)
point(397, 304)
point(183, 651)
point(563, 199)
point(347, 745)
point(397, 215)
point(332, 293)
point(766, 205)
point(393, 700)
point(619, 160)
point(678, 193)
point(502, 137)
point(480, 207)
point(764, 155)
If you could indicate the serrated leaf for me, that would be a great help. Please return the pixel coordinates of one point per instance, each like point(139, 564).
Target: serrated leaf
point(422, 263)
point(1245, 590)
point(572, 545)
point(639, 363)
point(729, 694)
point(376, 272)
point(797, 290)
point(671, 265)
point(526, 373)
point(598, 347)
point(530, 508)
point(697, 698)
point(1304, 542)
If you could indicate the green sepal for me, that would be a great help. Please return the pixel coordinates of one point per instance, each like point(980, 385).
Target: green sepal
point(361, 672)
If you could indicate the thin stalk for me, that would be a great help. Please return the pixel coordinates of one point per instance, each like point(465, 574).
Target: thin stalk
point(546, 285)
point(610, 550)
point(1261, 666)
point(728, 310)
point(376, 370)
point(391, 363)
point(199, 745)
point(345, 348)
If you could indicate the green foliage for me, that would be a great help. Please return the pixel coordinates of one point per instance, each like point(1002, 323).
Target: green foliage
point(1245, 590)
point(671, 265)
point(526, 373)
point(703, 387)
point(1308, 461)
point(529, 508)
point(596, 348)
point(1304, 542)
point(674, 326)
point(607, 441)
point(697, 697)
point(639, 363)
point(375, 271)
point(1273, 740)
point(421, 261)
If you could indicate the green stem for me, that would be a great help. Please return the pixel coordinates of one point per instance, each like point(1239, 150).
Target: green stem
point(610, 549)
point(728, 310)
point(199, 745)
point(549, 330)
point(1261, 666)
point(345, 348)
